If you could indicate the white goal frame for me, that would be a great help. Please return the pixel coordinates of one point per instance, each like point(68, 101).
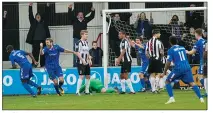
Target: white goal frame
point(105, 38)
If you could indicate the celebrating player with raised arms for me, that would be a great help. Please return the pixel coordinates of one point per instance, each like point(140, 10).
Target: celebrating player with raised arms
point(181, 70)
point(198, 47)
point(19, 56)
point(141, 47)
point(52, 53)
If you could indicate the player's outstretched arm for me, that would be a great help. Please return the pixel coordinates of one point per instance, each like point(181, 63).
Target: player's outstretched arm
point(41, 49)
point(69, 51)
point(33, 59)
point(193, 51)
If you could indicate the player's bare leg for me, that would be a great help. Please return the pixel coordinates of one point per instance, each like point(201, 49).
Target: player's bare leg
point(143, 89)
point(87, 82)
point(79, 83)
point(129, 83)
point(123, 81)
point(197, 91)
point(55, 81)
point(61, 82)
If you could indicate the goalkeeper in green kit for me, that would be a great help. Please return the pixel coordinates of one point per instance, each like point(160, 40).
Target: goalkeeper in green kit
point(98, 87)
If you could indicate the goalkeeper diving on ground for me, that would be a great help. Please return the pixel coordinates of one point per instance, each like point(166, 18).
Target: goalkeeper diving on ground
point(97, 86)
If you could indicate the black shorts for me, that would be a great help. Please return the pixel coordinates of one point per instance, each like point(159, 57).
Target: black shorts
point(83, 69)
point(126, 67)
point(155, 66)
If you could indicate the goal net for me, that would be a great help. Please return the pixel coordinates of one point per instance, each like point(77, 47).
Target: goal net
point(179, 22)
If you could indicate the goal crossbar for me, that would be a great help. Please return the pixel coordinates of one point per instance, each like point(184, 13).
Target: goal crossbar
point(105, 40)
point(153, 9)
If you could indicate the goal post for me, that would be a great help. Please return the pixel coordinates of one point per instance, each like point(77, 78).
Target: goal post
point(106, 27)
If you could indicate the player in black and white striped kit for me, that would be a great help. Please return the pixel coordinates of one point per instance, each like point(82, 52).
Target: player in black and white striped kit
point(126, 59)
point(83, 61)
point(155, 52)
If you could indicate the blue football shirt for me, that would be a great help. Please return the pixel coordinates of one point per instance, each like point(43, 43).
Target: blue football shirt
point(52, 56)
point(177, 55)
point(142, 53)
point(19, 56)
point(199, 45)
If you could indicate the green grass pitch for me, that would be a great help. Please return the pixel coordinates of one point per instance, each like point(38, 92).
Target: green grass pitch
point(186, 100)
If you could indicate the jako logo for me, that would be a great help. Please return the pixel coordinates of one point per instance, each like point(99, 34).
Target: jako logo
point(34, 79)
point(95, 75)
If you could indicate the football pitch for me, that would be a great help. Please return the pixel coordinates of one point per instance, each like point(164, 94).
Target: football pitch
point(185, 100)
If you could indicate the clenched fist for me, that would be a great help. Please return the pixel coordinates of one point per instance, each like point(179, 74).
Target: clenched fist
point(41, 45)
point(92, 9)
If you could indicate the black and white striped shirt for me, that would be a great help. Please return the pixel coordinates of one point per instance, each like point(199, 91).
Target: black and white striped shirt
point(153, 47)
point(83, 48)
point(125, 45)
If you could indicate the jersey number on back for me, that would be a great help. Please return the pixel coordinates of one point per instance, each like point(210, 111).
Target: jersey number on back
point(182, 57)
point(21, 56)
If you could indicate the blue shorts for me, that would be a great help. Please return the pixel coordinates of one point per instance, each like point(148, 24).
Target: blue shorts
point(200, 70)
point(186, 77)
point(26, 72)
point(144, 67)
point(54, 72)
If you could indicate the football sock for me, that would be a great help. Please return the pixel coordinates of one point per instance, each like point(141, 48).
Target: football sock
point(123, 88)
point(148, 84)
point(161, 83)
point(61, 83)
point(129, 84)
point(153, 83)
point(142, 82)
point(27, 87)
point(157, 80)
point(87, 82)
point(57, 89)
point(78, 85)
point(169, 90)
point(32, 83)
point(197, 91)
point(202, 81)
point(205, 85)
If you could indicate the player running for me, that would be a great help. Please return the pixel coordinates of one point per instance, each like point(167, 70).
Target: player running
point(84, 61)
point(181, 70)
point(19, 57)
point(97, 86)
point(141, 47)
point(198, 47)
point(52, 53)
point(126, 58)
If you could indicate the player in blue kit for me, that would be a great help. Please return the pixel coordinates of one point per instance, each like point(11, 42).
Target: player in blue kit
point(141, 47)
point(52, 53)
point(198, 47)
point(19, 57)
point(181, 70)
